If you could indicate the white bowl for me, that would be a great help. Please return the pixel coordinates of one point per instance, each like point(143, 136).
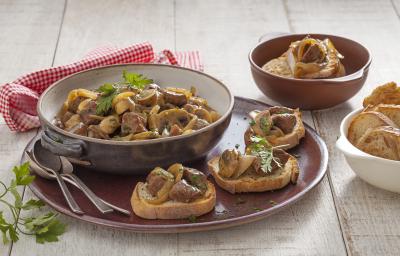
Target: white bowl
point(377, 171)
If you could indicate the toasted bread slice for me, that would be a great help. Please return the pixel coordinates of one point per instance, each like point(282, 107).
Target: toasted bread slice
point(365, 120)
point(172, 209)
point(385, 94)
point(382, 141)
point(255, 183)
point(390, 110)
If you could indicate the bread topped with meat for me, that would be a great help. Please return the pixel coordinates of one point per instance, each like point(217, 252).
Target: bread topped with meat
point(261, 168)
point(280, 126)
point(176, 193)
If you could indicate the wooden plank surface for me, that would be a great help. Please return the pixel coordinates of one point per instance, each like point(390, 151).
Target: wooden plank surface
point(88, 24)
point(227, 32)
point(28, 36)
point(368, 216)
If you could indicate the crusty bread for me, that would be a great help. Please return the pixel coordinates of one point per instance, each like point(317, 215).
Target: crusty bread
point(172, 209)
point(252, 183)
point(385, 94)
point(390, 110)
point(365, 120)
point(382, 141)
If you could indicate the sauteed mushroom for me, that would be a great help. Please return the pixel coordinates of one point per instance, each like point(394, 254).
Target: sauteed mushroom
point(159, 184)
point(109, 124)
point(229, 162)
point(134, 109)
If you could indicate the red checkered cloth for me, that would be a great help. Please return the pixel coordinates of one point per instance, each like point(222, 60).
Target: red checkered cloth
point(18, 99)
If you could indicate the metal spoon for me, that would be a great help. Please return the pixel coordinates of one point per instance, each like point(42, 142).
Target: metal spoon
point(47, 175)
point(48, 159)
point(67, 194)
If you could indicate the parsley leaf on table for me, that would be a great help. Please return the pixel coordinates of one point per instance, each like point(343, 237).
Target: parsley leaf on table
point(135, 80)
point(46, 227)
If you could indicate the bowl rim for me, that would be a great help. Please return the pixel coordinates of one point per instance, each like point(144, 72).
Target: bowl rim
point(138, 142)
point(344, 125)
point(336, 80)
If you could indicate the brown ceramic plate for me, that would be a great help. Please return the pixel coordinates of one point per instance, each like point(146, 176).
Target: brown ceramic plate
point(230, 210)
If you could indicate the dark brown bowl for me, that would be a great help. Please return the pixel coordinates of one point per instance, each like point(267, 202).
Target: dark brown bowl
point(309, 93)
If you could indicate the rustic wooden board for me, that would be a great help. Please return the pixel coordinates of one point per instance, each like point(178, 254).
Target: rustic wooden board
point(28, 36)
point(368, 216)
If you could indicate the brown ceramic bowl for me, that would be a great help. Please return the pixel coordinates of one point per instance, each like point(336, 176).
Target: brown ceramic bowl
point(309, 93)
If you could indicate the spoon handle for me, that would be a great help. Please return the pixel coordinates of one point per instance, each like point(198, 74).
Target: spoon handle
point(67, 194)
point(100, 205)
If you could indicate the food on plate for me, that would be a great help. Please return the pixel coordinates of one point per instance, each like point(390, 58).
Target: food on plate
point(176, 193)
point(376, 130)
point(134, 109)
point(308, 58)
point(261, 168)
point(280, 126)
point(383, 141)
point(364, 121)
point(388, 93)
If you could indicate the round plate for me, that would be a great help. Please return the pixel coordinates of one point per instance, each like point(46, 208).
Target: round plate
point(230, 210)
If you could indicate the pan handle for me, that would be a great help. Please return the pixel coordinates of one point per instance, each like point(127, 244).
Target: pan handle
point(61, 145)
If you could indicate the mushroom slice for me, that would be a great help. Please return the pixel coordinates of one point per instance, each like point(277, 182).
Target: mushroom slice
point(183, 91)
point(145, 135)
point(245, 161)
point(124, 105)
point(159, 195)
point(177, 171)
point(72, 121)
point(167, 118)
point(109, 124)
point(203, 114)
point(122, 96)
point(229, 163)
point(262, 123)
point(147, 97)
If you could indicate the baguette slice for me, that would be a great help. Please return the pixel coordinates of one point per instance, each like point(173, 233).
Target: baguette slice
point(382, 141)
point(390, 110)
point(365, 120)
point(387, 94)
point(252, 183)
point(172, 209)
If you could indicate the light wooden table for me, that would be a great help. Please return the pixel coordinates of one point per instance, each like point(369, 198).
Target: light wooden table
point(343, 215)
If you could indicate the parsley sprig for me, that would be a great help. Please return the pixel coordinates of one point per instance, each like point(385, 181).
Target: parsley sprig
point(104, 102)
point(135, 80)
point(109, 91)
point(45, 227)
point(261, 148)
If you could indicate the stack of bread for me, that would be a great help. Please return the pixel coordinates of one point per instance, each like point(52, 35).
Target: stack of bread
point(376, 130)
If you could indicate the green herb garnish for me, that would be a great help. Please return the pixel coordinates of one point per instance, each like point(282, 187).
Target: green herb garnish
point(104, 102)
point(262, 149)
point(134, 80)
point(252, 123)
point(272, 202)
point(192, 219)
point(45, 227)
point(257, 209)
point(265, 125)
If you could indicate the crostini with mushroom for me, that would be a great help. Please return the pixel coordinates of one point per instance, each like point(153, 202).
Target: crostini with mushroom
point(262, 168)
point(176, 193)
point(280, 126)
